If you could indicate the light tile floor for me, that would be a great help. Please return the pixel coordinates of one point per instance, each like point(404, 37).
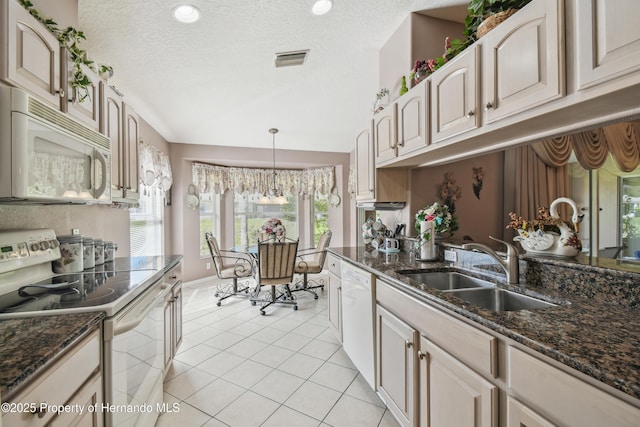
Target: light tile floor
point(236, 367)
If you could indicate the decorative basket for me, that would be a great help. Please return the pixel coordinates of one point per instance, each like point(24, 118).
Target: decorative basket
point(493, 21)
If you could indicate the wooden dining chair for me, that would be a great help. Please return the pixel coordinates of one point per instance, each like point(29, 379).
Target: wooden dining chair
point(276, 267)
point(311, 261)
point(229, 265)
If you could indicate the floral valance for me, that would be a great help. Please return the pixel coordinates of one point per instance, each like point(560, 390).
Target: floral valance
point(155, 169)
point(591, 148)
point(301, 182)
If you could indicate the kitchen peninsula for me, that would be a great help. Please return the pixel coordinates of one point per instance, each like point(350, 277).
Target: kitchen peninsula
point(571, 364)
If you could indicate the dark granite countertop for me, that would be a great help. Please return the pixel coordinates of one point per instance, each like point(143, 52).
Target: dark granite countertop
point(584, 331)
point(29, 345)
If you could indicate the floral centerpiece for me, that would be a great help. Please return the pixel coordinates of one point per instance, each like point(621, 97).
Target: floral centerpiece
point(272, 228)
point(547, 233)
point(443, 220)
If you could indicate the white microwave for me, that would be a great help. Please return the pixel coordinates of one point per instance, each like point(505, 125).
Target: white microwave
point(48, 157)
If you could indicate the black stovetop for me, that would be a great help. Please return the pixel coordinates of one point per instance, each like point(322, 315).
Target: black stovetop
point(95, 287)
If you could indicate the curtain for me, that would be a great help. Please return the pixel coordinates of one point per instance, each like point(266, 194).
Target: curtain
point(295, 181)
point(155, 169)
point(537, 184)
point(592, 147)
point(541, 168)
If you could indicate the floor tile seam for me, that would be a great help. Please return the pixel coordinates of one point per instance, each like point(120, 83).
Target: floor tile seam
point(306, 415)
point(329, 387)
point(242, 394)
point(324, 420)
point(288, 397)
point(215, 377)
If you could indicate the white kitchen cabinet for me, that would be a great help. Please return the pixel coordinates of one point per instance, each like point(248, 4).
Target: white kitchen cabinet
point(172, 315)
point(454, 96)
point(519, 415)
point(334, 308)
point(83, 104)
point(31, 58)
point(365, 165)
point(376, 184)
point(385, 135)
point(455, 395)
point(29, 54)
point(607, 37)
point(561, 398)
point(412, 113)
point(402, 128)
point(523, 61)
point(429, 384)
point(119, 122)
point(111, 120)
point(396, 344)
point(131, 137)
point(75, 378)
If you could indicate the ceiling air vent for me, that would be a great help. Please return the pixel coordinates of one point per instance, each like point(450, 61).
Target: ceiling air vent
point(287, 59)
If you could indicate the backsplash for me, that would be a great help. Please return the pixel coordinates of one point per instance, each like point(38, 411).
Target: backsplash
point(97, 221)
point(604, 280)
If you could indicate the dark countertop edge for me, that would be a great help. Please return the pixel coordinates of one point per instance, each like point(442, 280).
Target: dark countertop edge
point(41, 364)
point(481, 317)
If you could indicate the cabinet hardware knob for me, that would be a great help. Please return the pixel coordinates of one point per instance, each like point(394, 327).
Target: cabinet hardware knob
point(339, 287)
point(60, 92)
point(40, 410)
point(489, 105)
point(421, 355)
point(470, 113)
point(408, 343)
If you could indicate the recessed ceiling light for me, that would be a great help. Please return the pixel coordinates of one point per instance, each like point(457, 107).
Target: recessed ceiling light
point(320, 7)
point(186, 13)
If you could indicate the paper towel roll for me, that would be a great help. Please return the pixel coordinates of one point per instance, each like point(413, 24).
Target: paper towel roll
point(427, 236)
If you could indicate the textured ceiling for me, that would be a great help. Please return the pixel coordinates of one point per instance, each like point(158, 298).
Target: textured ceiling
point(213, 82)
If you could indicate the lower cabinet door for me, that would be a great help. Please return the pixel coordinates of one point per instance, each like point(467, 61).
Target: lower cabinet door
point(519, 415)
point(455, 395)
point(396, 342)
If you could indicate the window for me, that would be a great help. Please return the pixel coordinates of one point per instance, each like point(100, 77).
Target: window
point(610, 200)
point(209, 219)
point(319, 216)
point(249, 217)
point(146, 224)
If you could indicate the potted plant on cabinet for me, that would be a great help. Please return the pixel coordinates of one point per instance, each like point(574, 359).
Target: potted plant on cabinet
point(484, 15)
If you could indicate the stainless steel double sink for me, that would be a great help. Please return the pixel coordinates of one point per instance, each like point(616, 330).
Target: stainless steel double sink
point(475, 291)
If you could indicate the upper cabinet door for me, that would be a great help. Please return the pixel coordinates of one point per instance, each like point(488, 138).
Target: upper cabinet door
point(454, 96)
point(32, 54)
point(131, 162)
point(83, 103)
point(412, 119)
point(607, 39)
point(385, 135)
point(523, 60)
point(111, 121)
point(365, 167)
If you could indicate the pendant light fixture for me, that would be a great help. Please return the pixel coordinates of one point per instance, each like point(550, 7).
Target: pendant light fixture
point(274, 196)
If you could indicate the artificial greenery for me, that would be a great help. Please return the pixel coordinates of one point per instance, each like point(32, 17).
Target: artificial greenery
point(479, 10)
point(70, 38)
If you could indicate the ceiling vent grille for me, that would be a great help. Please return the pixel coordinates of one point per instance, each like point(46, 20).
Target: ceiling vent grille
point(288, 59)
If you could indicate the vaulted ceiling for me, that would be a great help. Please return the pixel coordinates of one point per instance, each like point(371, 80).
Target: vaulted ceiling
point(214, 81)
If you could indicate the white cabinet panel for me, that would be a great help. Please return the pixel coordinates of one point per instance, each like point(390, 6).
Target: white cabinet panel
point(607, 38)
point(523, 60)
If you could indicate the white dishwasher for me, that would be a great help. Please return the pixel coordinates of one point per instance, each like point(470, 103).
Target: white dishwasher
point(358, 299)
